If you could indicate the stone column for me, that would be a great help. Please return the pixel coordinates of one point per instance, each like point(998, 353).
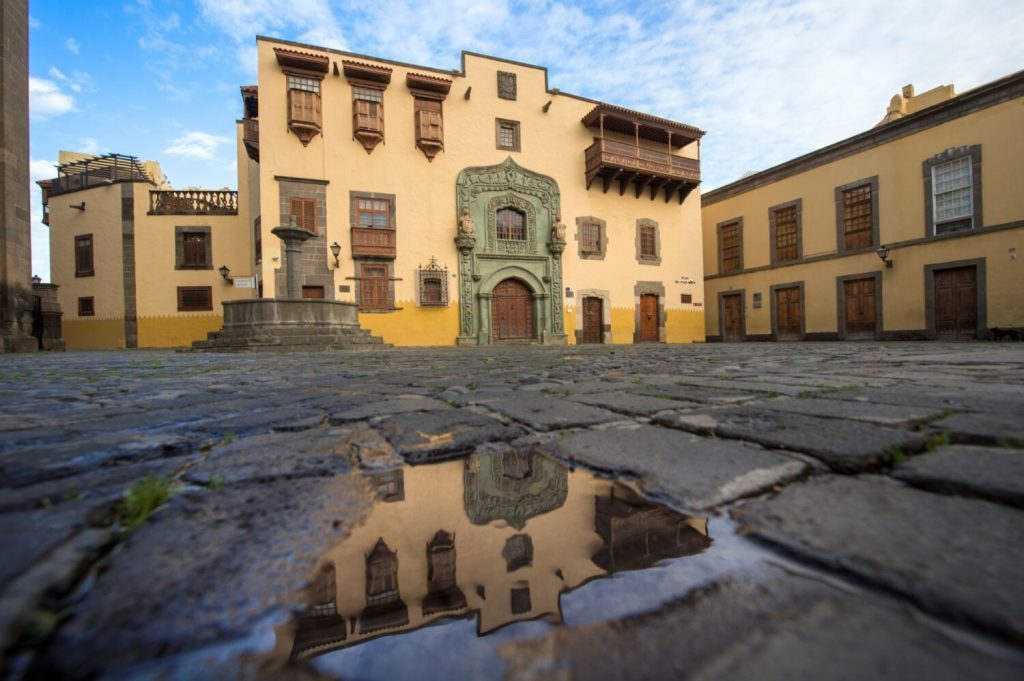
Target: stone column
point(485, 318)
point(16, 298)
point(541, 324)
point(293, 238)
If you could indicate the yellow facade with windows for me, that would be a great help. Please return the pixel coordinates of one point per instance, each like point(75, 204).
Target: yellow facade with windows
point(936, 184)
point(387, 155)
point(117, 252)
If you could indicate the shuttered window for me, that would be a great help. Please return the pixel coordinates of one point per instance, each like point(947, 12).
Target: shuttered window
point(304, 211)
point(194, 249)
point(374, 287)
point(83, 256)
point(195, 298)
point(731, 247)
point(786, 234)
point(368, 109)
point(857, 218)
point(428, 120)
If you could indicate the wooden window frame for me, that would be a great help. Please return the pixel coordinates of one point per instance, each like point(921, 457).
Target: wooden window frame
point(723, 259)
point(929, 167)
point(184, 306)
point(305, 115)
point(372, 212)
point(304, 210)
point(514, 232)
point(85, 252)
point(773, 241)
point(87, 309)
point(842, 217)
point(181, 249)
point(504, 123)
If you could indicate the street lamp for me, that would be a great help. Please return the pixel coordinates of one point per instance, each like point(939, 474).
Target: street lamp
point(336, 250)
point(883, 254)
point(224, 272)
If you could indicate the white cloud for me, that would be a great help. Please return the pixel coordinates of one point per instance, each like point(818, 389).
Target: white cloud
point(40, 169)
point(194, 144)
point(89, 145)
point(46, 100)
point(75, 82)
point(72, 45)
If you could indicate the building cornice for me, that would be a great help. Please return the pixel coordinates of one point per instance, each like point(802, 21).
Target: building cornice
point(982, 97)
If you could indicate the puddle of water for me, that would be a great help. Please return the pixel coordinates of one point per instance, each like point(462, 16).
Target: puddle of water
point(461, 557)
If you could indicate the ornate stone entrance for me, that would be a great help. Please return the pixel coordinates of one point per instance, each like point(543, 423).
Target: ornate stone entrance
point(510, 243)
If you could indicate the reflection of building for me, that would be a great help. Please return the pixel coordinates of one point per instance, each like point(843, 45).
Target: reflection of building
point(793, 252)
point(501, 536)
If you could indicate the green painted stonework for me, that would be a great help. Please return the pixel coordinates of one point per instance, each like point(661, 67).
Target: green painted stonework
point(485, 260)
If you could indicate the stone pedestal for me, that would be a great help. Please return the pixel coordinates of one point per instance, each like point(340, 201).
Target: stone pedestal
point(46, 323)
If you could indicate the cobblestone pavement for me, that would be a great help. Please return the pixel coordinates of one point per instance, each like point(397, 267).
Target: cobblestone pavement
point(887, 478)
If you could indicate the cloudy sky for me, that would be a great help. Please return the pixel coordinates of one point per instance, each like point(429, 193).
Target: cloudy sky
point(767, 79)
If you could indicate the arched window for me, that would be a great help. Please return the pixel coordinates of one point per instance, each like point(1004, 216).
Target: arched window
point(511, 225)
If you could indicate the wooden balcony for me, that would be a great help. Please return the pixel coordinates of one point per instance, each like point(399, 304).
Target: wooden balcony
point(373, 243)
point(646, 168)
point(251, 137)
point(193, 202)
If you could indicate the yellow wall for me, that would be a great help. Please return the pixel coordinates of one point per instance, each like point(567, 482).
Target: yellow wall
point(898, 165)
point(83, 333)
point(179, 330)
point(552, 144)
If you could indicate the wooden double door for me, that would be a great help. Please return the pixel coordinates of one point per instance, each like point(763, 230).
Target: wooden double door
point(512, 312)
point(859, 308)
point(788, 318)
point(593, 320)
point(956, 303)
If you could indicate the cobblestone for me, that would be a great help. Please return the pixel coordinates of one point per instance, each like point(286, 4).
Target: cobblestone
point(915, 570)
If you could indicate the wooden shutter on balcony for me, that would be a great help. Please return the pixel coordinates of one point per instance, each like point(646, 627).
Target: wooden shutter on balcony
point(304, 211)
point(305, 107)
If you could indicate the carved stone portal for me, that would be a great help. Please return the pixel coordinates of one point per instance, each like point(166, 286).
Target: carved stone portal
point(485, 260)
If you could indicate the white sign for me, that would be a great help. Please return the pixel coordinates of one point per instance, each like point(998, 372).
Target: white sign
point(245, 282)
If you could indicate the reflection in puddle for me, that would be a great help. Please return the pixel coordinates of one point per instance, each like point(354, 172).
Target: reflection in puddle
point(510, 541)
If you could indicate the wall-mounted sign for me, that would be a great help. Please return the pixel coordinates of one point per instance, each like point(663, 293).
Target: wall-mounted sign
point(245, 282)
point(757, 301)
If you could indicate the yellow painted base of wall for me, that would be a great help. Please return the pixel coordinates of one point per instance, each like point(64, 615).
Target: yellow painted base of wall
point(93, 334)
point(684, 326)
point(412, 325)
point(176, 331)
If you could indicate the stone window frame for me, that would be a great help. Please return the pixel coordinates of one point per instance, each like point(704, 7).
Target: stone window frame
point(841, 248)
point(606, 313)
point(602, 226)
point(316, 261)
point(772, 247)
point(85, 246)
point(305, 212)
point(87, 306)
point(180, 233)
point(187, 306)
point(500, 123)
point(721, 244)
point(507, 87)
point(928, 167)
point(648, 259)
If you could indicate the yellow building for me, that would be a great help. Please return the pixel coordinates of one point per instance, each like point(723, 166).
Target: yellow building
point(909, 230)
point(138, 263)
point(474, 205)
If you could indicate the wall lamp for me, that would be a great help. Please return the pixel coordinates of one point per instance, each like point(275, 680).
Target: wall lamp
point(883, 254)
point(336, 251)
point(224, 272)
point(36, 280)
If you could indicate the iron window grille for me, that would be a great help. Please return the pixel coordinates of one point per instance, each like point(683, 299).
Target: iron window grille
point(433, 285)
point(195, 298)
point(511, 225)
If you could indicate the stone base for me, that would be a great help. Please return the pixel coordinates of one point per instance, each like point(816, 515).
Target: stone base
point(267, 325)
point(18, 344)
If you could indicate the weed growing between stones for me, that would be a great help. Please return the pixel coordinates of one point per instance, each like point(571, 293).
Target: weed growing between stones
point(558, 392)
point(228, 438)
point(218, 481)
point(936, 441)
point(142, 499)
point(1010, 442)
point(896, 454)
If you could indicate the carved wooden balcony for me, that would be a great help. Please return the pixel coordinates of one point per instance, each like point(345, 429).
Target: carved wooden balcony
point(193, 202)
point(646, 168)
point(373, 243)
point(251, 137)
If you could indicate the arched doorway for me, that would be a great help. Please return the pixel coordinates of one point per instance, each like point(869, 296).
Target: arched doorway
point(512, 311)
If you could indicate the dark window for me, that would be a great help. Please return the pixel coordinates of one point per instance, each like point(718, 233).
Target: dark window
point(83, 256)
point(194, 249)
point(374, 287)
point(732, 247)
point(686, 298)
point(521, 600)
point(648, 242)
point(325, 589)
point(195, 298)
point(86, 307)
point(373, 213)
point(506, 85)
point(511, 225)
point(786, 247)
point(518, 552)
point(507, 133)
point(382, 575)
point(590, 237)
point(304, 211)
point(857, 217)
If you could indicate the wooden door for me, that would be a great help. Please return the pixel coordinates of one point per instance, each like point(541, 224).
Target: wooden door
point(374, 287)
point(732, 317)
point(787, 313)
point(859, 304)
point(593, 321)
point(512, 311)
point(648, 318)
point(956, 303)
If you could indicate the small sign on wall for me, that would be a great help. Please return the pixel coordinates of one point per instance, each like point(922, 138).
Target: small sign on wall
point(245, 282)
point(757, 301)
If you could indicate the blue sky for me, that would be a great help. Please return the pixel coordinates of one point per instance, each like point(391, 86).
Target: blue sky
point(768, 79)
